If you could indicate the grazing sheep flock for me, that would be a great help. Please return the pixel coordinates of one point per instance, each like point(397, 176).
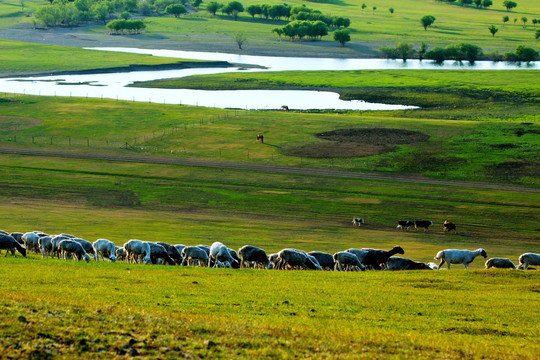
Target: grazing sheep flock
point(218, 255)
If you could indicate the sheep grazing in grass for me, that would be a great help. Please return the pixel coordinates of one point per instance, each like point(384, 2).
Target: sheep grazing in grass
point(159, 255)
point(206, 248)
point(234, 254)
point(195, 253)
point(8, 243)
point(501, 263)
point(453, 256)
point(399, 263)
point(325, 260)
point(106, 249)
point(121, 254)
point(55, 240)
point(45, 246)
point(137, 251)
point(253, 255)
point(172, 251)
point(87, 245)
point(296, 258)
point(70, 247)
point(528, 259)
point(346, 261)
point(2, 232)
point(360, 254)
point(273, 258)
point(219, 252)
point(374, 258)
point(31, 241)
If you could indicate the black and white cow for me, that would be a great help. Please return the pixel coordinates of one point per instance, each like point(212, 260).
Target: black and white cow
point(357, 221)
point(405, 224)
point(423, 224)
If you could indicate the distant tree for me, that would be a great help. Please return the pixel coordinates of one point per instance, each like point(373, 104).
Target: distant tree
point(391, 10)
point(534, 21)
point(487, 3)
point(438, 54)
point(364, 6)
point(422, 51)
point(478, 3)
point(278, 31)
point(101, 11)
point(213, 6)
point(493, 30)
point(537, 34)
point(374, 8)
point(515, 20)
point(463, 51)
point(265, 8)
point(233, 8)
point(342, 36)
point(125, 15)
point(176, 10)
point(405, 50)
point(526, 54)
point(505, 19)
point(524, 20)
point(508, 4)
point(389, 52)
point(240, 39)
point(427, 20)
point(254, 10)
point(465, 2)
point(196, 3)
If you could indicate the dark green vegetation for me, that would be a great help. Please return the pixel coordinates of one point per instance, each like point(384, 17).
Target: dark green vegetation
point(55, 309)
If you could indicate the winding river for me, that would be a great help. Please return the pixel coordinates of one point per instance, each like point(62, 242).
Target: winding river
point(113, 85)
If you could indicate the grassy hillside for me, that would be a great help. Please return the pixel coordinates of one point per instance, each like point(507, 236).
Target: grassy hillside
point(66, 310)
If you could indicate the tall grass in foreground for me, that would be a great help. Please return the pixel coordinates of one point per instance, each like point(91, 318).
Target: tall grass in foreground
point(51, 308)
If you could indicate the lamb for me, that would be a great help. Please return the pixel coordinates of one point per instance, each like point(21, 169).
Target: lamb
point(192, 253)
point(432, 266)
point(528, 259)
point(293, 258)
point(137, 250)
point(253, 255)
point(501, 263)
point(106, 249)
point(374, 258)
point(346, 261)
point(453, 256)
point(325, 260)
point(73, 247)
point(8, 243)
point(219, 252)
point(45, 246)
point(87, 245)
point(120, 253)
point(172, 251)
point(399, 263)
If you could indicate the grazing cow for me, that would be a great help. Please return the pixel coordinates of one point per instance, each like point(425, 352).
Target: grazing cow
point(357, 221)
point(285, 108)
point(405, 224)
point(449, 226)
point(260, 138)
point(423, 224)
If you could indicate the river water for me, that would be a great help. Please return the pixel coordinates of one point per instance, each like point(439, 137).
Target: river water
point(113, 85)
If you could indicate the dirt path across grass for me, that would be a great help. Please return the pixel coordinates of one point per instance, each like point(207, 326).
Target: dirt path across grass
point(305, 171)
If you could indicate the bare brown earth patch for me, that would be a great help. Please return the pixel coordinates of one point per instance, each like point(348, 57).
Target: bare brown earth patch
point(357, 142)
point(12, 123)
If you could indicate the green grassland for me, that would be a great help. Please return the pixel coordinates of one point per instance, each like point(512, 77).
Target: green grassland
point(369, 29)
point(18, 58)
point(71, 310)
point(13, 12)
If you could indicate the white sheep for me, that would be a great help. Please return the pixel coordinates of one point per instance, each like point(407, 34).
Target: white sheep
point(45, 246)
point(294, 258)
point(106, 249)
point(360, 254)
point(137, 251)
point(120, 253)
point(274, 258)
point(87, 245)
point(453, 256)
point(219, 252)
point(528, 259)
point(31, 241)
point(190, 254)
point(433, 266)
point(72, 247)
point(347, 261)
point(501, 263)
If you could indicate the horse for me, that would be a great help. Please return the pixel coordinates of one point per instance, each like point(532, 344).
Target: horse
point(260, 138)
